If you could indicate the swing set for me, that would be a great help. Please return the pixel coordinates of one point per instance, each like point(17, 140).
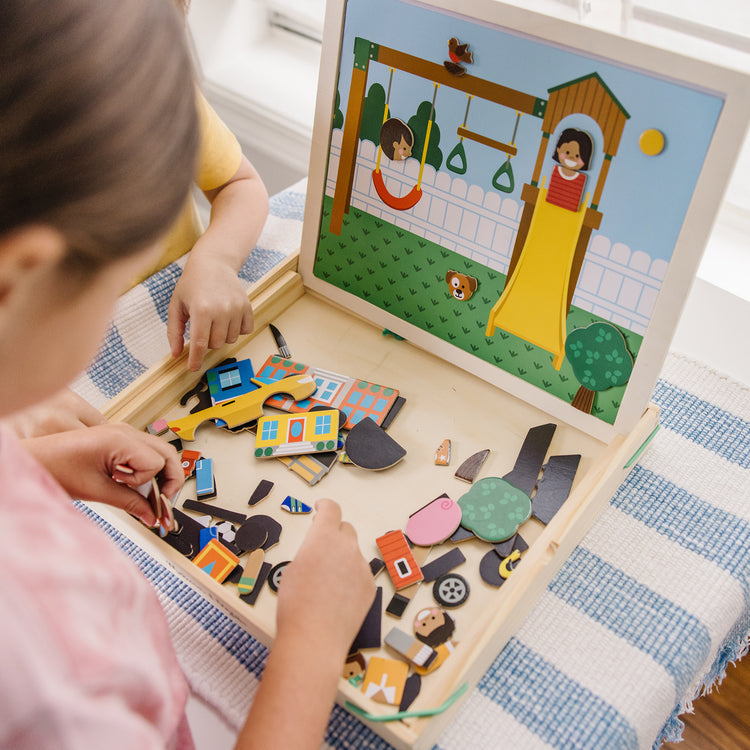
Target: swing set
point(366, 52)
point(411, 199)
point(457, 162)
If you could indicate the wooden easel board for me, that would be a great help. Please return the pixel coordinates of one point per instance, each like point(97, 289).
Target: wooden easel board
point(473, 193)
point(442, 400)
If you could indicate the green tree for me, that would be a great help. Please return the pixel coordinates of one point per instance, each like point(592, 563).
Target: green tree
point(372, 114)
point(600, 360)
point(418, 125)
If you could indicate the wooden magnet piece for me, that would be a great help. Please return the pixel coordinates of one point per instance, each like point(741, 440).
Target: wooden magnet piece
point(245, 408)
point(412, 686)
point(369, 632)
point(205, 484)
point(398, 604)
point(443, 564)
point(188, 459)
point(216, 560)
point(525, 473)
point(250, 573)
point(251, 535)
point(185, 537)
point(494, 509)
point(507, 566)
point(312, 467)
point(207, 534)
point(443, 453)
point(460, 285)
point(393, 412)
point(371, 447)
point(399, 559)
point(376, 565)
point(461, 535)
point(252, 597)
point(292, 505)
point(469, 469)
point(554, 486)
point(261, 492)
point(418, 653)
point(297, 434)
point(385, 679)
point(434, 522)
point(354, 669)
point(215, 511)
point(451, 590)
point(273, 530)
point(489, 569)
point(274, 576)
point(434, 626)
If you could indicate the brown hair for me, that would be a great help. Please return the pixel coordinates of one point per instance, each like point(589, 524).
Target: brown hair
point(98, 123)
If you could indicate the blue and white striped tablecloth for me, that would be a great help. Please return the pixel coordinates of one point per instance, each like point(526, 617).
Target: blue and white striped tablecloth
point(643, 617)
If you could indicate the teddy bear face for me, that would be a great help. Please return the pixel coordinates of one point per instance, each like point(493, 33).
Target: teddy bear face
point(461, 286)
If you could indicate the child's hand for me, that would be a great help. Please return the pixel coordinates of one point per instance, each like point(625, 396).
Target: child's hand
point(210, 295)
point(65, 410)
point(85, 462)
point(327, 589)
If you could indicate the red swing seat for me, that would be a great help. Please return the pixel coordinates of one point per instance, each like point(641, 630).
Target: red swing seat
point(404, 203)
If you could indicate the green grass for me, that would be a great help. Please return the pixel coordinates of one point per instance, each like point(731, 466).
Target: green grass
point(404, 274)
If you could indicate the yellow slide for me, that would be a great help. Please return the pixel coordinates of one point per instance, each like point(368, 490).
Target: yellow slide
point(534, 301)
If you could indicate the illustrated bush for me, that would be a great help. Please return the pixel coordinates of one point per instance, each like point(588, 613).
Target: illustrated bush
point(418, 125)
point(372, 114)
point(338, 116)
point(600, 360)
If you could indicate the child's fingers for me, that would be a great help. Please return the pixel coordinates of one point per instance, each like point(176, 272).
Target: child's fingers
point(248, 321)
point(200, 333)
point(176, 322)
point(328, 513)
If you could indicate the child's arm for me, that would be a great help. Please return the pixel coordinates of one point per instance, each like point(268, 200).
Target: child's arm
point(65, 410)
point(209, 292)
point(85, 463)
point(323, 599)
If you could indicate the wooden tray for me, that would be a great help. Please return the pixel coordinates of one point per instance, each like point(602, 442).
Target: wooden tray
point(442, 401)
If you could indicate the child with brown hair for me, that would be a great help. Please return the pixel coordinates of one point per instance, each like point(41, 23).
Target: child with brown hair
point(91, 170)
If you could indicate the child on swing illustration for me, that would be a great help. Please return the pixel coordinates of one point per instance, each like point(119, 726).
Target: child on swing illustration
point(573, 155)
point(396, 139)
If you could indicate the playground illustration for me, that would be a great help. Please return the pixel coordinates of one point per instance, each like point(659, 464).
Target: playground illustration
point(508, 246)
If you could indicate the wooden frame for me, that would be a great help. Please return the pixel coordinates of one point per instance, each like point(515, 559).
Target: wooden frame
point(472, 412)
point(725, 93)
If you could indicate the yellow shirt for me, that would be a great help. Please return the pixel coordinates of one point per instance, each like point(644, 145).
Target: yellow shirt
point(218, 161)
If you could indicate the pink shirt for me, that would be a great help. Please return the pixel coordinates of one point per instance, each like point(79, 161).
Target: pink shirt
point(86, 659)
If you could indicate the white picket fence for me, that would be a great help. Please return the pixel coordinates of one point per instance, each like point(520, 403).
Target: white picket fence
point(616, 283)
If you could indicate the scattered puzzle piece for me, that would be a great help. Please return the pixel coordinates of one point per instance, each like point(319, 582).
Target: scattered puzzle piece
point(250, 573)
point(385, 679)
point(205, 484)
point(371, 447)
point(261, 492)
point(419, 654)
point(399, 559)
point(443, 564)
point(215, 511)
point(216, 560)
point(434, 522)
point(312, 467)
point(245, 408)
point(443, 453)
point(494, 509)
point(369, 632)
point(434, 626)
point(252, 597)
point(188, 459)
point(251, 535)
point(526, 470)
point(297, 434)
point(554, 486)
point(274, 576)
point(451, 590)
point(292, 505)
point(412, 686)
point(469, 469)
point(354, 669)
